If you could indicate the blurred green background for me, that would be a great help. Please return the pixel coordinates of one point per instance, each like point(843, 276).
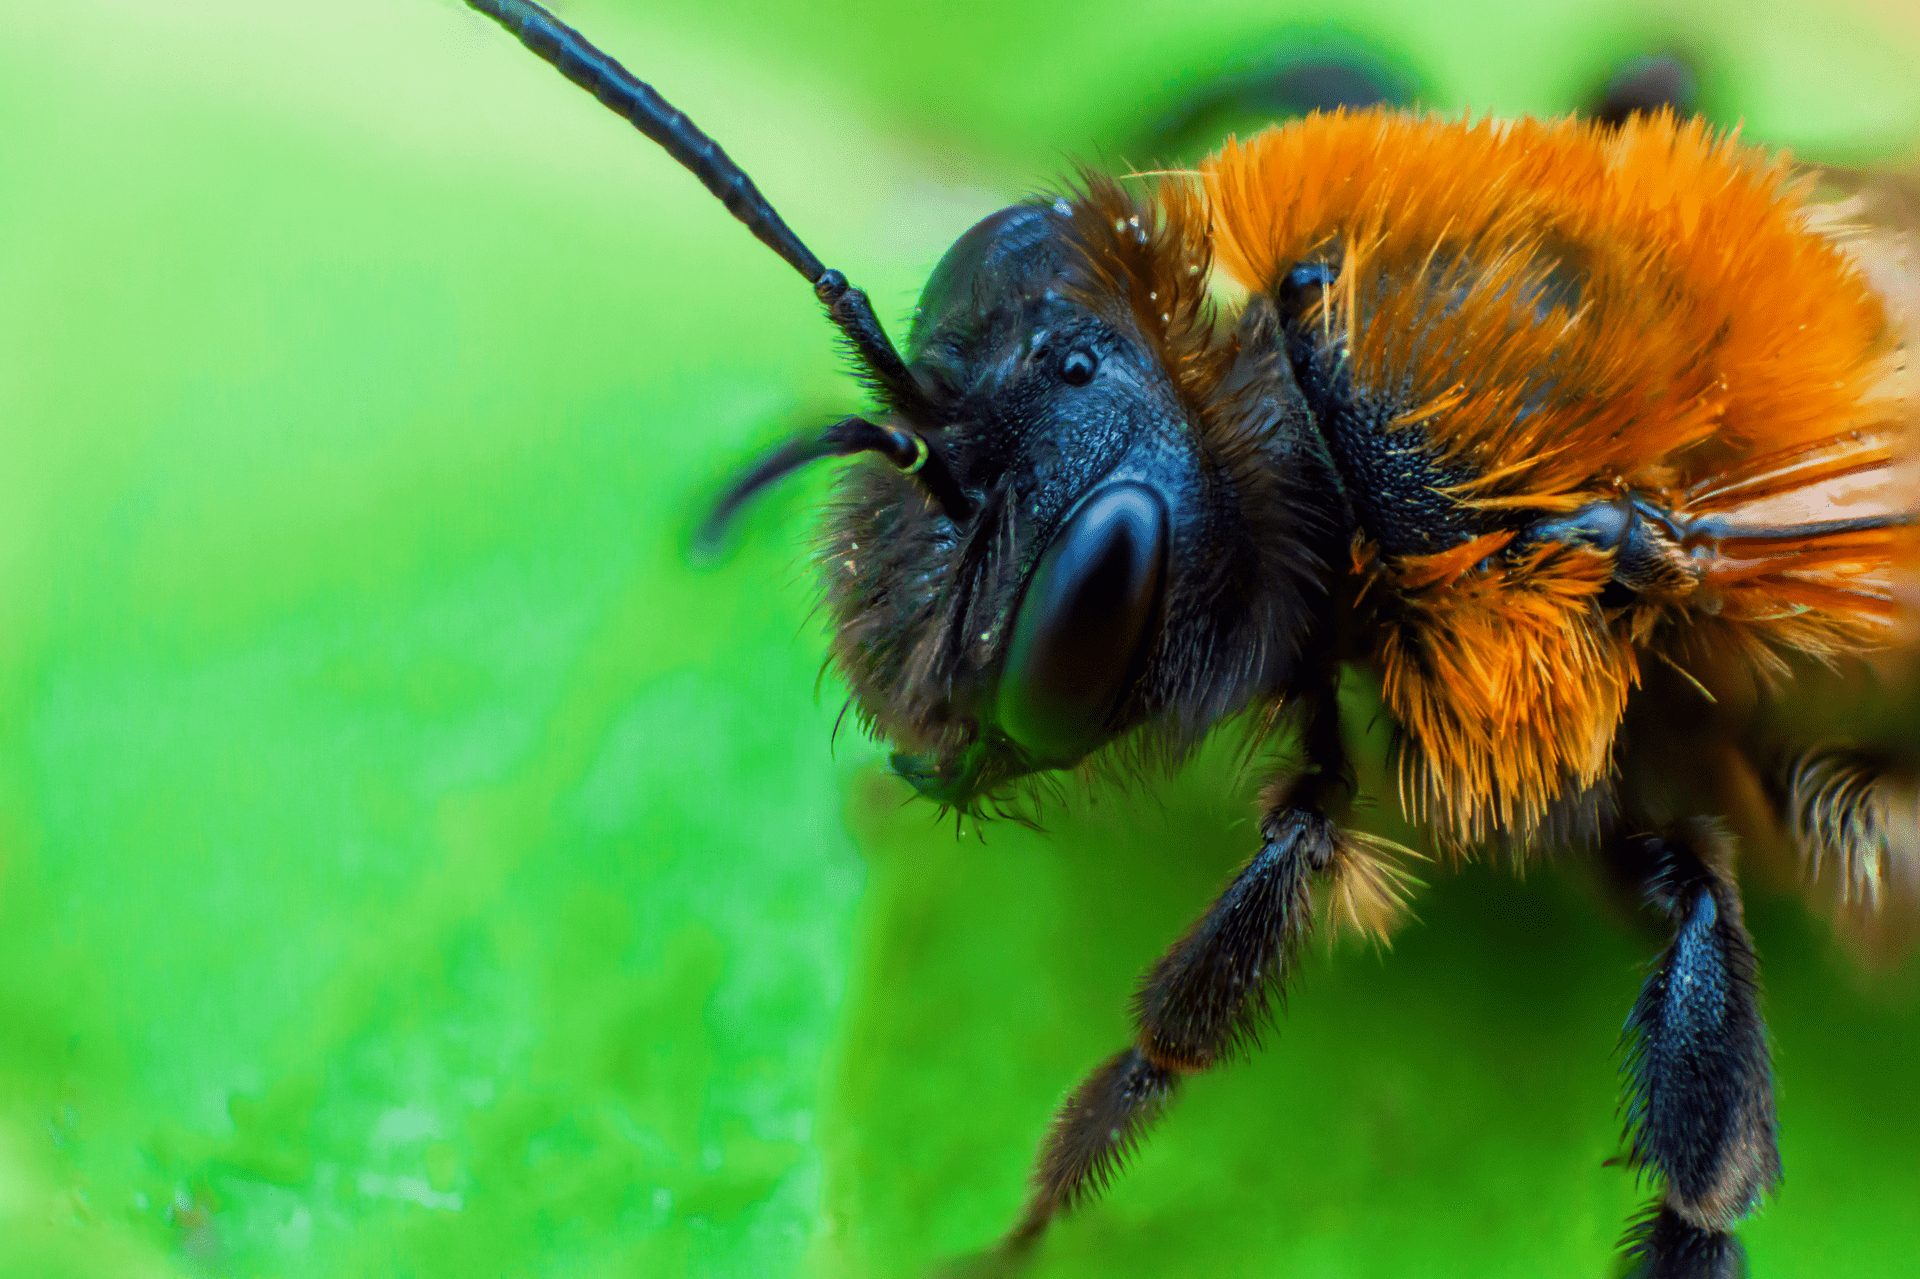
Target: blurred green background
point(412, 863)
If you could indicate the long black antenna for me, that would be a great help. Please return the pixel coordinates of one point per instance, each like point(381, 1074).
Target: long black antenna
point(627, 96)
point(905, 449)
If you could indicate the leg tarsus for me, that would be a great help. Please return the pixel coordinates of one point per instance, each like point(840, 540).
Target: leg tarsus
point(1662, 1244)
point(1005, 1261)
point(1093, 1133)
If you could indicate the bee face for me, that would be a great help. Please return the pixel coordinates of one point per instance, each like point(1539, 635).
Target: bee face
point(1112, 501)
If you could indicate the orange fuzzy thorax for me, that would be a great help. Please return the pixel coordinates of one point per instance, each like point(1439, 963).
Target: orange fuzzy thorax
point(1567, 313)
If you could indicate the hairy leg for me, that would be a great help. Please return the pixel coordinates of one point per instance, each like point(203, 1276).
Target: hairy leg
point(1700, 1082)
point(1202, 1002)
point(1205, 999)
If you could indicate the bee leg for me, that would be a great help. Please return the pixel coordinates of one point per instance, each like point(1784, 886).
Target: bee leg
point(1700, 1083)
point(1204, 1000)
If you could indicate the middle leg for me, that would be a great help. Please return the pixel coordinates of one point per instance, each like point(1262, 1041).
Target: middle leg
point(1700, 1098)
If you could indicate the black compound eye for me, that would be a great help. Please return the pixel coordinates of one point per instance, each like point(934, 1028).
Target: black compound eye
point(1086, 624)
point(1077, 369)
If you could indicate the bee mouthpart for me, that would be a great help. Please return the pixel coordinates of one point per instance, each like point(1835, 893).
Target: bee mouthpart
point(955, 784)
point(924, 776)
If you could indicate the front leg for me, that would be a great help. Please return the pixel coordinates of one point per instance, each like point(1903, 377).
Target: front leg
point(1209, 995)
point(1205, 999)
point(1700, 1095)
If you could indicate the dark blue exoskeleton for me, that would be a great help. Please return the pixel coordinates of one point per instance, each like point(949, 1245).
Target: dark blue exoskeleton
point(1136, 551)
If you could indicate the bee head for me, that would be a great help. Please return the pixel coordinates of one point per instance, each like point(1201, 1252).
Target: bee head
point(1137, 535)
point(1099, 513)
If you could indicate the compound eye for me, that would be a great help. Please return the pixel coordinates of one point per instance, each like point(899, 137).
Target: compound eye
point(1077, 369)
point(1086, 624)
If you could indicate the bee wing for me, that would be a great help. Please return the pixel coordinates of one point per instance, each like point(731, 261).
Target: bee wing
point(1875, 216)
point(1851, 804)
point(1837, 510)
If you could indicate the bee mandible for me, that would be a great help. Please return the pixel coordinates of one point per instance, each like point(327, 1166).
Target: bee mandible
point(1534, 421)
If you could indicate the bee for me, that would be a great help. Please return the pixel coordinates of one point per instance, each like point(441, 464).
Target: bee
point(1563, 431)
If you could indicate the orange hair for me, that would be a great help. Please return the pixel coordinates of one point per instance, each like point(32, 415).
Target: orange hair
point(1571, 313)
